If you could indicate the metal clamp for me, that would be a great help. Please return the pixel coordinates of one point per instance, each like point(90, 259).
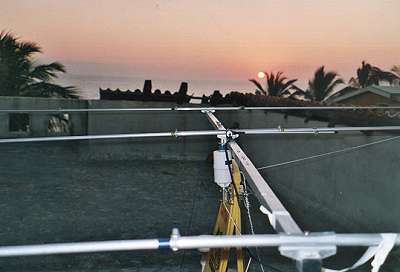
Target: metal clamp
point(174, 236)
point(309, 257)
point(209, 110)
point(229, 135)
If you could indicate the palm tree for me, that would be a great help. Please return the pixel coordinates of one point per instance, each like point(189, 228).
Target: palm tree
point(323, 84)
point(276, 85)
point(368, 75)
point(21, 76)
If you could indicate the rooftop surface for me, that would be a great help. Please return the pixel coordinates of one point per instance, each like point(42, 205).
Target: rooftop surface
point(89, 201)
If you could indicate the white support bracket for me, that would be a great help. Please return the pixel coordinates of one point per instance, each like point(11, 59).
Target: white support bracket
point(309, 257)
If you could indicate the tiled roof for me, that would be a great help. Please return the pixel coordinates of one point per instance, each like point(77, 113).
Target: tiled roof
point(390, 92)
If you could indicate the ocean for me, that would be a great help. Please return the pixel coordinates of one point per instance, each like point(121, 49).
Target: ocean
point(88, 85)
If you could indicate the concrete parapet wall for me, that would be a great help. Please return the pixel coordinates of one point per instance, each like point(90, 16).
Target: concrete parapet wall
point(39, 121)
point(352, 191)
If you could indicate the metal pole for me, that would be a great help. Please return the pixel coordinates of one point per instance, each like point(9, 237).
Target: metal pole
point(115, 136)
point(200, 133)
point(201, 109)
point(199, 242)
point(282, 130)
point(275, 240)
point(79, 247)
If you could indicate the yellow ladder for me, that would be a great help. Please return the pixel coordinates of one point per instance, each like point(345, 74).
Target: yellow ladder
point(228, 223)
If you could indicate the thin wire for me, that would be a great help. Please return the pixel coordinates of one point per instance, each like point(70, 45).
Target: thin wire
point(353, 148)
point(247, 205)
point(224, 192)
point(248, 265)
point(190, 224)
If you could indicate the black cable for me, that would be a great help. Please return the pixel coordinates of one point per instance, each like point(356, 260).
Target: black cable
point(181, 266)
point(228, 163)
point(251, 254)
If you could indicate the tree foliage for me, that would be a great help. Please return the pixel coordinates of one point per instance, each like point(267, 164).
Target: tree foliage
point(322, 86)
point(20, 75)
point(368, 75)
point(276, 84)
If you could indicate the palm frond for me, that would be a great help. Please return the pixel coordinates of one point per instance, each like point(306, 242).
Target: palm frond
point(19, 76)
point(28, 49)
point(47, 71)
point(258, 85)
point(323, 84)
point(10, 42)
point(369, 74)
point(7, 40)
point(46, 89)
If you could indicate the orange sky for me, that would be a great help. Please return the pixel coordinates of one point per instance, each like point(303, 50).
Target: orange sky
point(208, 39)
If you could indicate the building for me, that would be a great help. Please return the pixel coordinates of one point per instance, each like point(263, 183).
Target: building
point(371, 95)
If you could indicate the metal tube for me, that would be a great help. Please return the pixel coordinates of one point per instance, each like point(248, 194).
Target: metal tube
point(314, 130)
point(85, 137)
point(274, 240)
point(84, 110)
point(201, 109)
point(258, 131)
point(199, 242)
point(80, 247)
point(326, 108)
point(115, 136)
point(378, 128)
point(200, 133)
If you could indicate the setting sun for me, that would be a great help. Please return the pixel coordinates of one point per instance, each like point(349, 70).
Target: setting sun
point(261, 75)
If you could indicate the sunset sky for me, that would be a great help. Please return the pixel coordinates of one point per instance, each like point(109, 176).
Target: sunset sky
point(208, 39)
